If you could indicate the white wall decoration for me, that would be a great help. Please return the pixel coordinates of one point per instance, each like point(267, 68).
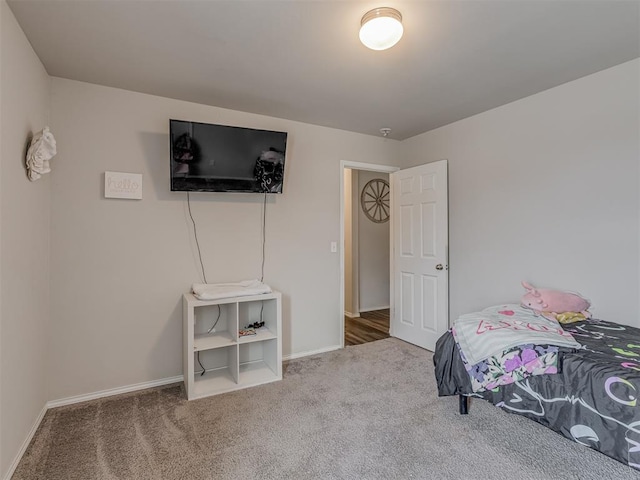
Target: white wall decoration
point(123, 185)
point(42, 148)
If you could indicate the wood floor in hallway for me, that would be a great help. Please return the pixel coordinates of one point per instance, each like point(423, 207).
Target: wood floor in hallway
point(369, 326)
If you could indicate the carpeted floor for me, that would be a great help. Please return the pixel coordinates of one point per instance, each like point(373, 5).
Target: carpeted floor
point(366, 412)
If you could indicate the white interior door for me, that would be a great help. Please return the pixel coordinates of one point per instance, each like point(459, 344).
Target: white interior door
point(420, 252)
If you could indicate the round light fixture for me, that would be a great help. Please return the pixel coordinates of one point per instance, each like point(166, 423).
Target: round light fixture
point(381, 28)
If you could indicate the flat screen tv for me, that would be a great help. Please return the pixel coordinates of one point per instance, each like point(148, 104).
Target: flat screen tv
point(219, 158)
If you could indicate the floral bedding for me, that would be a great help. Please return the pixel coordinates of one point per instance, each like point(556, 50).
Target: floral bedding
point(511, 366)
point(481, 335)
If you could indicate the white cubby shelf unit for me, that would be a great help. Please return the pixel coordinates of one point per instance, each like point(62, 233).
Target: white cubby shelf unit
point(231, 362)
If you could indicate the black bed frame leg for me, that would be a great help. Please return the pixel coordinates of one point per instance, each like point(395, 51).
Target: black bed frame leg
point(464, 404)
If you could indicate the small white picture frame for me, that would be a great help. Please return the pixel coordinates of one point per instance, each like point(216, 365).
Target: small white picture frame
point(123, 185)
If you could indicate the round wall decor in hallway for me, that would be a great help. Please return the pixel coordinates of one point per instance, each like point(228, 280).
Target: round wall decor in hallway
point(374, 200)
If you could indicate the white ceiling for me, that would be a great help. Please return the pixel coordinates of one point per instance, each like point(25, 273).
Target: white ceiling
point(302, 60)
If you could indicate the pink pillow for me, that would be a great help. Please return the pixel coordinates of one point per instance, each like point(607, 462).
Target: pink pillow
point(545, 300)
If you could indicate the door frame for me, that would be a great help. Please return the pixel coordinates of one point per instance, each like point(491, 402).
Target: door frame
point(371, 167)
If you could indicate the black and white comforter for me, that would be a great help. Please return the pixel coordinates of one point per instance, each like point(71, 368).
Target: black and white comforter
point(593, 400)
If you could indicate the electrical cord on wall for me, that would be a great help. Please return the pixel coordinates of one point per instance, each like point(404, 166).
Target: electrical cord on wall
point(209, 331)
point(204, 275)
point(264, 232)
point(264, 241)
point(216, 322)
point(195, 234)
point(201, 366)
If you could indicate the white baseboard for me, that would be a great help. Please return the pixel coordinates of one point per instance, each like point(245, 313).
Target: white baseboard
point(374, 308)
point(351, 315)
point(291, 356)
point(113, 391)
point(25, 444)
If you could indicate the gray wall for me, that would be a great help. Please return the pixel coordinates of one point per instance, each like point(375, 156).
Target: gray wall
point(24, 242)
point(545, 189)
point(119, 267)
point(373, 253)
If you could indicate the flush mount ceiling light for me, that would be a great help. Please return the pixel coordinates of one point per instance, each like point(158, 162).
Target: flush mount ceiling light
point(381, 28)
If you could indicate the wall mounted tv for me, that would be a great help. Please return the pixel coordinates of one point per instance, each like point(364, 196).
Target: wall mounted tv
point(220, 158)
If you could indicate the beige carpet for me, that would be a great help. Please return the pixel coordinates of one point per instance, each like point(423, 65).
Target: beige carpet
point(366, 412)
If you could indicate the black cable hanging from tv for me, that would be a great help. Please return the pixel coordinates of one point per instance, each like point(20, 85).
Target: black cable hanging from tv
point(195, 234)
point(264, 233)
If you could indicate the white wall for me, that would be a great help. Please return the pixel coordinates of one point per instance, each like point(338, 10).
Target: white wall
point(545, 189)
point(119, 267)
point(373, 252)
point(24, 242)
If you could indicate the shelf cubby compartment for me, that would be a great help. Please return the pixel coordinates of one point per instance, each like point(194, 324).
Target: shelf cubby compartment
point(224, 317)
point(221, 371)
point(250, 313)
point(258, 362)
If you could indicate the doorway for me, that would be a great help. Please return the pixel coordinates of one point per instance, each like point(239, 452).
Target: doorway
point(367, 211)
point(419, 251)
point(365, 253)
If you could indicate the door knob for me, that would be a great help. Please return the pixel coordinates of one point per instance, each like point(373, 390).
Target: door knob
point(439, 266)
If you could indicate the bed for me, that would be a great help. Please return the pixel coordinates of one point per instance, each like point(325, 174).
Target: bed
point(592, 399)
